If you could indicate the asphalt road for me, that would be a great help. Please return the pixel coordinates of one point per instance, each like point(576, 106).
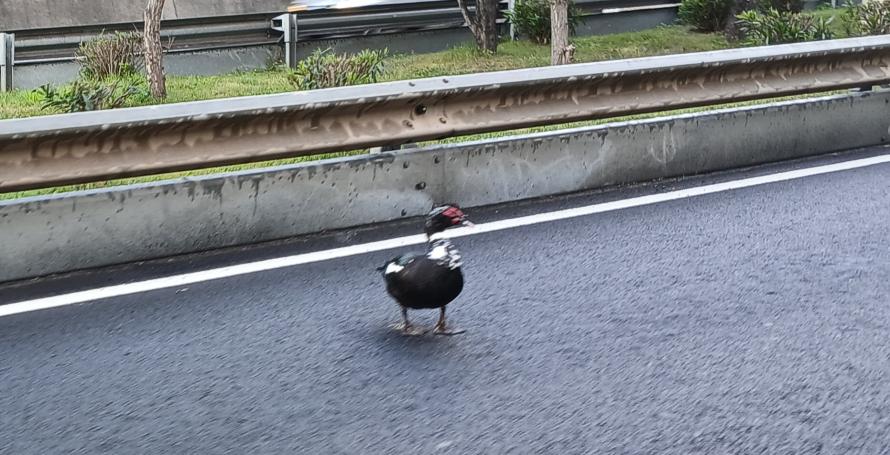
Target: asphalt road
point(749, 321)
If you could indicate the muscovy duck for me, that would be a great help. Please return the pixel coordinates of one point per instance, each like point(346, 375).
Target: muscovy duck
point(431, 280)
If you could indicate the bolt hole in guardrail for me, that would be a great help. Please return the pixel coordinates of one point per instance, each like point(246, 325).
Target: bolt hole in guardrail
point(420, 109)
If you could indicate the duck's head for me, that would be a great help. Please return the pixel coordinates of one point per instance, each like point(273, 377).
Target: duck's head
point(444, 217)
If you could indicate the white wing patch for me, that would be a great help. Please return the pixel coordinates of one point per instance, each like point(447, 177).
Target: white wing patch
point(392, 267)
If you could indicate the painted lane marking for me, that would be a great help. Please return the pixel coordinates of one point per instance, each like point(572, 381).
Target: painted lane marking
point(399, 242)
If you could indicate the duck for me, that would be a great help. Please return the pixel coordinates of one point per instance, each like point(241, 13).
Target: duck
point(432, 279)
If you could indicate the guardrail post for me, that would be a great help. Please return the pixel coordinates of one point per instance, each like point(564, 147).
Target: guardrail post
point(289, 24)
point(7, 58)
point(391, 148)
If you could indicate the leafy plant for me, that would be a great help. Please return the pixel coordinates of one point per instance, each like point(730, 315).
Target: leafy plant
point(775, 27)
point(531, 18)
point(871, 18)
point(90, 95)
point(705, 15)
point(116, 55)
point(324, 69)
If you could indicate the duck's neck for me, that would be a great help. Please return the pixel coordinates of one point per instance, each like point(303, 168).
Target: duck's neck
point(441, 250)
point(435, 237)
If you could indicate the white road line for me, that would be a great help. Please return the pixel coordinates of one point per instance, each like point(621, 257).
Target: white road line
point(306, 258)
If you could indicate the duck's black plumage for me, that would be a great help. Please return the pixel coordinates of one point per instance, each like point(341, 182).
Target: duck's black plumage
point(423, 282)
point(430, 280)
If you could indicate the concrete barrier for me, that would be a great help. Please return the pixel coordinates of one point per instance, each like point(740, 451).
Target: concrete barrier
point(45, 235)
point(35, 14)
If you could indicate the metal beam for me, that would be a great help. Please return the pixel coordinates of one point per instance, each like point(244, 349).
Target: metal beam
point(60, 149)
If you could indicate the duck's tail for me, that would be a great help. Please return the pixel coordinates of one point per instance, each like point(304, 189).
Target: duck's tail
point(385, 264)
point(396, 259)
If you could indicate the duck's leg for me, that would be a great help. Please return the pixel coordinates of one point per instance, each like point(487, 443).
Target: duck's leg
point(442, 328)
point(406, 327)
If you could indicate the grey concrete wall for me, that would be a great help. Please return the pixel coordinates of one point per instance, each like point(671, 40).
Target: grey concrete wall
point(79, 230)
point(202, 63)
point(30, 14)
point(28, 77)
point(220, 61)
point(405, 43)
point(630, 21)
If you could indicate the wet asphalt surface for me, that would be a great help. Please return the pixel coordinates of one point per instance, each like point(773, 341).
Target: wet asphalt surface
point(749, 321)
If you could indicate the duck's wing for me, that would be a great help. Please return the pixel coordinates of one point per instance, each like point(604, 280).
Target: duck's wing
point(397, 263)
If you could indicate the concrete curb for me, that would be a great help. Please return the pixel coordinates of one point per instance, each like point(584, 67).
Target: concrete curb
point(60, 233)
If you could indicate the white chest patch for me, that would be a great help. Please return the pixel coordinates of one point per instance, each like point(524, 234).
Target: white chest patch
point(438, 252)
point(443, 252)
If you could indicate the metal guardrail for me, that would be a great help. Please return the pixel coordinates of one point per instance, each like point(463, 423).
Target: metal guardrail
point(268, 30)
point(52, 150)
point(243, 30)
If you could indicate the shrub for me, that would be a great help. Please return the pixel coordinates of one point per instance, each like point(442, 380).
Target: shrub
point(872, 18)
point(114, 55)
point(324, 69)
point(775, 27)
point(531, 18)
point(705, 15)
point(90, 95)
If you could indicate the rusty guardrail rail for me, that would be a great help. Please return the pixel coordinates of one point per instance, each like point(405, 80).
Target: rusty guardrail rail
point(59, 149)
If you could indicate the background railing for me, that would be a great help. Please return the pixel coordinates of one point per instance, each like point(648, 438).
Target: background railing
point(46, 46)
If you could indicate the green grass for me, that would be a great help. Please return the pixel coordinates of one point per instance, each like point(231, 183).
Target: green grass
point(19, 104)
point(523, 54)
point(836, 25)
point(194, 88)
point(459, 60)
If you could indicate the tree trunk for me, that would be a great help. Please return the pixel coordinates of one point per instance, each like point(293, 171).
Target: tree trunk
point(154, 54)
point(561, 52)
point(732, 31)
point(483, 24)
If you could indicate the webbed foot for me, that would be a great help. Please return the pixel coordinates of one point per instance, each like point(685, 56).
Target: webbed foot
point(409, 330)
point(442, 329)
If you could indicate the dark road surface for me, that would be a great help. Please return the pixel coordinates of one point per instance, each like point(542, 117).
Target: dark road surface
point(749, 321)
